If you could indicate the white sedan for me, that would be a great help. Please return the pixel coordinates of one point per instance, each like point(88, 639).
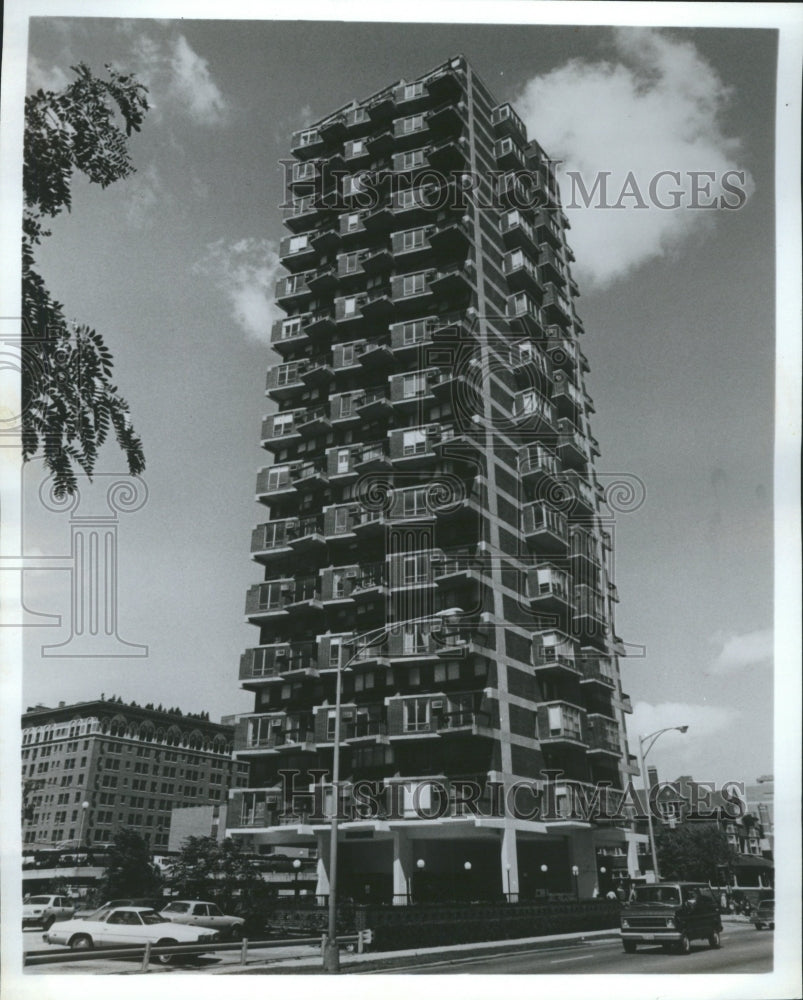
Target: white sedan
point(200, 914)
point(123, 926)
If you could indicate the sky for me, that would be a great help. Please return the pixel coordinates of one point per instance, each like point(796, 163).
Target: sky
point(175, 267)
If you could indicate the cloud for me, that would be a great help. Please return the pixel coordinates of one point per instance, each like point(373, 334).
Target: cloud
point(246, 272)
point(145, 193)
point(192, 83)
point(41, 77)
point(655, 107)
point(178, 79)
point(751, 649)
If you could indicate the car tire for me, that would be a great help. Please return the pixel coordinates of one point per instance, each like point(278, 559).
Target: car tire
point(236, 934)
point(759, 926)
point(165, 959)
point(81, 942)
point(684, 945)
point(629, 947)
point(48, 922)
point(714, 940)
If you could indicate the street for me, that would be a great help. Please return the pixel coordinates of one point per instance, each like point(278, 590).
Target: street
point(744, 950)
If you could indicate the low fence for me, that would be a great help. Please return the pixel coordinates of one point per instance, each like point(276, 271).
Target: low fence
point(425, 925)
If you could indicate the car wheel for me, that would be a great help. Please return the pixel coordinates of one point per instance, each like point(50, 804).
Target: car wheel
point(48, 922)
point(714, 940)
point(629, 946)
point(165, 959)
point(684, 945)
point(81, 942)
point(236, 933)
point(759, 926)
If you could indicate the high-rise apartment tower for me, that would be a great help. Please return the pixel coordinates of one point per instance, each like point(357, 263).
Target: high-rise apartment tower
point(434, 537)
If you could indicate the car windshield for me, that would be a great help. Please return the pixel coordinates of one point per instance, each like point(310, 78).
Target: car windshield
point(152, 917)
point(39, 900)
point(177, 908)
point(657, 894)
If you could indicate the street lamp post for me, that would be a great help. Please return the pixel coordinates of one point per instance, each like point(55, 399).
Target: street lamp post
point(84, 808)
point(507, 872)
point(296, 866)
point(467, 867)
point(544, 870)
point(652, 737)
point(331, 957)
point(575, 874)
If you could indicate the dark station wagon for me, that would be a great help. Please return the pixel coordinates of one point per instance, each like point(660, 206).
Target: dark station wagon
point(672, 914)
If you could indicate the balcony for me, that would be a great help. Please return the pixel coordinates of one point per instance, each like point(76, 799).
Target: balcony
point(551, 265)
point(509, 154)
point(297, 252)
point(364, 729)
point(408, 339)
point(373, 404)
point(602, 736)
point(356, 154)
point(377, 305)
point(550, 592)
point(323, 281)
point(554, 657)
point(546, 529)
point(413, 445)
point(589, 614)
point(411, 247)
point(339, 522)
point(288, 335)
point(302, 213)
point(560, 723)
point(348, 312)
point(505, 121)
point(412, 292)
point(372, 457)
point(522, 273)
point(522, 308)
point(571, 447)
point(533, 411)
point(367, 524)
point(448, 156)
point(409, 393)
point(626, 703)
point(317, 371)
point(293, 292)
point(351, 229)
point(597, 671)
point(517, 233)
point(583, 553)
point(477, 723)
point(304, 594)
point(306, 143)
point(271, 540)
point(446, 120)
point(449, 569)
point(309, 475)
point(381, 144)
point(547, 231)
point(267, 602)
point(313, 421)
point(358, 121)
point(306, 535)
point(454, 283)
point(566, 396)
point(536, 463)
point(375, 355)
point(371, 582)
point(555, 307)
point(343, 408)
point(278, 660)
point(284, 381)
point(280, 429)
point(326, 239)
point(381, 108)
point(304, 176)
point(410, 131)
point(274, 483)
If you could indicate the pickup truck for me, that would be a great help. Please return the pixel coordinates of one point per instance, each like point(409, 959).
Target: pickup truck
point(671, 914)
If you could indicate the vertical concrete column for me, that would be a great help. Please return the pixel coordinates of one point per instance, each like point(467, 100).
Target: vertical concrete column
point(583, 854)
point(402, 868)
point(510, 864)
point(322, 871)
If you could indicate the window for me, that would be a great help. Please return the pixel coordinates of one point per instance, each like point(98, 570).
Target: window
point(414, 385)
point(331, 719)
point(414, 502)
point(335, 645)
point(416, 715)
point(298, 242)
point(415, 569)
point(350, 305)
point(413, 158)
point(413, 333)
point(309, 137)
point(286, 374)
point(282, 424)
point(414, 640)
point(412, 239)
point(412, 90)
point(277, 476)
point(342, 519)
point(347, 355)
point(343, 459)
point(352, 222)
point(412, 124)
point(414, 442)
point(290, 328)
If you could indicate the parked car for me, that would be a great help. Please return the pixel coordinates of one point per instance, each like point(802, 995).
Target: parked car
point(202, 914)
point(764, 915)
point(121, 926)
point(45, 910)
point(148, 902)
point(672, 914)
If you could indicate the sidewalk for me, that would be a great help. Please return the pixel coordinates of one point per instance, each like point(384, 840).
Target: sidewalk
point(305, 961)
